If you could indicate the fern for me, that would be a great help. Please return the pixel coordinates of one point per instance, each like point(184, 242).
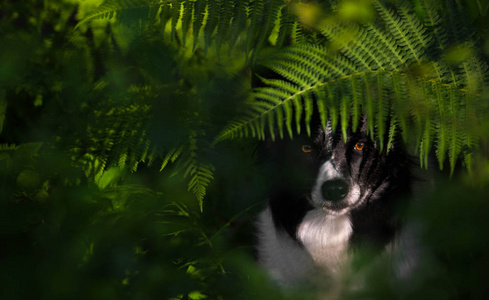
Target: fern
point(372, 77)
point(220, 21)
point(200, 173)
point(110, 8)
point(198, 12)
point(400, 28)
point(395, 70)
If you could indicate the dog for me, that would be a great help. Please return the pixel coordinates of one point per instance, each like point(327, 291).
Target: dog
point(329, 196)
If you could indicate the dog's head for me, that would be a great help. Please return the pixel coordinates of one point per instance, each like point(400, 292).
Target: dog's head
point(327, 172)
point(354, 172)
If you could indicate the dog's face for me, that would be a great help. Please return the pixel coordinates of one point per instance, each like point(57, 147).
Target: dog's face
point(349, 173)
point(337, 176)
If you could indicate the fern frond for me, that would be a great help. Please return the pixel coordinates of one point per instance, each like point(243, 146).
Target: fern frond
point(200, 173)
point(345, 114)
point(226, 13)
point(298, 37)
point(392, 132)
point(109, 8)
point(171, 156)
point(256, 13)
point(326, 101)
point(186, 20)
point(383, 107)
point(238, 22)
point(175, 16)
point(402, 34)
point(212, 19)
point(442, 93)
point(369, 107)
point(201, 176)
point(165, 15)
point(271, 10)
point(363, 50)
point(426, 143)
point(434, 23)
point(357, 101)
point(412, 24)
point(313, 56)
point(389, 48)
point(286, 26)
point(198, 20)
point(455, 145)
point(307, 99)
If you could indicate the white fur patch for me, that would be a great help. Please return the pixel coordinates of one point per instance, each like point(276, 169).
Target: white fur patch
point(326, 238)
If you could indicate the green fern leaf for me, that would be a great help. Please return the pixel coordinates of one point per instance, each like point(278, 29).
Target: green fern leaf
point(369, 104)
point(364, 51)
point(345, 115)
point(165, 15)
point(326, 100)
point(392, 132)
point(286, 26)
point(330, 66)
point(400, 103)
point(426, 143)
point(225, 16)
point(256, 15)
point(388, 49)
point(199, 12)
point(412, 24)
point(455, 145)
point(308, 110)
point(271, 9)
point(298, 111)
point(213, 15)
point(172, 155)
point(442, 93)
point(401, 33)
point(201, 175)
point(238, 22)
point(288, 110)
point(109, 8)
point(175, 16)
point(382, 110)
point(357, 96)
point(186, 20)
point(433, 22)
point(298, 37)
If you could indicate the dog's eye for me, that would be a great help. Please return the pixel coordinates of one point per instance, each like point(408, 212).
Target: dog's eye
point(360, 146)
point(306, 148)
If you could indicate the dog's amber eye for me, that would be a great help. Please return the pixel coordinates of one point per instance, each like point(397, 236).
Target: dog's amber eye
point(360, 146)
point(306, 148)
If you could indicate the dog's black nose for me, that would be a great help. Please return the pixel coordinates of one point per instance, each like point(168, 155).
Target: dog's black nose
point(334, 190)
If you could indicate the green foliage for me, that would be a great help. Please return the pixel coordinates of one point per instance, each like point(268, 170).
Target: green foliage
point(112, 183)
point(384, 71)
point(208, 22)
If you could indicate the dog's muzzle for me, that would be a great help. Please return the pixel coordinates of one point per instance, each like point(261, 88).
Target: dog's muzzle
point(333, 192)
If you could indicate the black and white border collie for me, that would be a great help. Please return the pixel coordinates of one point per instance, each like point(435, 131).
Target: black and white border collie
point(328, 197)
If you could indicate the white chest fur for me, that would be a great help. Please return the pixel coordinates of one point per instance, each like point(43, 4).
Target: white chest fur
point(326, 238)
point(325, 244)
